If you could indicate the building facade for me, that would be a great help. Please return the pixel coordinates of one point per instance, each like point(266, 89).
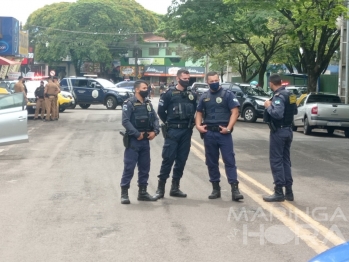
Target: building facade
point(157, 60)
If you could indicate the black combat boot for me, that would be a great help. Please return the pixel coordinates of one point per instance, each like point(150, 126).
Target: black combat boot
point(160, 192)
point(143, 194)
point(216, 192)
point(289, 193)
point(124, 195)
point(236, 196)
point(278, 195)
point(175, 191)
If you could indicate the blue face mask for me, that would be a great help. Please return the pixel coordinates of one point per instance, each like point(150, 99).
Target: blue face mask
point(214, 86)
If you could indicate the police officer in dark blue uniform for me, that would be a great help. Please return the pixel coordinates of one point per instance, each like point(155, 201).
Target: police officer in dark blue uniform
point(142, 125)
point(217, 113)
point(176, 110)
point(279, 116)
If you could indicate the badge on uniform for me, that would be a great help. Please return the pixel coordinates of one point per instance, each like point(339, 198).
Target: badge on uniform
point(206, 99)
point(235, 100)
point(149, 107)
point(219, 100)
point(191, 97)
point(277, 102)
point(124, 107)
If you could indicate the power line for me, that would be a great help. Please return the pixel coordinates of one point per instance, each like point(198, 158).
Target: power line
point(89, 33)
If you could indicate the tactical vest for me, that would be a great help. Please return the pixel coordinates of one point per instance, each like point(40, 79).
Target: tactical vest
point(290, 109)
point(40, 92)
point(181, 107)
point(216, 109)
point(142, 117)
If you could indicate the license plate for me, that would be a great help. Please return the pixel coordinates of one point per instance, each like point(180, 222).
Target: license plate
point(333, 124)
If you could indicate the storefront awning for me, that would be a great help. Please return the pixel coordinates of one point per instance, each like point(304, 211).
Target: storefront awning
point(5, 61)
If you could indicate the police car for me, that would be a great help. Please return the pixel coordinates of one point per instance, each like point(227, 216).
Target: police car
point(89, 91)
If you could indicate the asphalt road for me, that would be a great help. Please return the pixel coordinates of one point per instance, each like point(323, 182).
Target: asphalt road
point(60, 198)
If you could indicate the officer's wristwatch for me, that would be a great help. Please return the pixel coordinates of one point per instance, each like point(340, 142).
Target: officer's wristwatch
point(228, 130)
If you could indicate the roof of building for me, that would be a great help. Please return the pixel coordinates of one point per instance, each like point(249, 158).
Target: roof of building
point(154, 38)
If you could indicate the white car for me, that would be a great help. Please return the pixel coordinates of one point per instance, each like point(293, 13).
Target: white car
point(13, 119)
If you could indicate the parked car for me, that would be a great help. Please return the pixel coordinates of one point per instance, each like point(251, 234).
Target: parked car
point(199, 88)
point(251, 100)
point(87, 91)
point(13, 119)
point(9, 85)
point(325, 111)
point(129, 85)
point(297, 90)
point(335, 254)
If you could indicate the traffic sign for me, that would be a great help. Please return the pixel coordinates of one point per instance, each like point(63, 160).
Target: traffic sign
point(52, 73)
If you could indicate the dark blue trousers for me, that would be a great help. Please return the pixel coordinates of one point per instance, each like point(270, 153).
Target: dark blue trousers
point(176, 150)
point(279, 156)
point(138, 154)
point(215, 141)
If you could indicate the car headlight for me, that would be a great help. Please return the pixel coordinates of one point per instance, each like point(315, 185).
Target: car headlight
point(260, 102)
point(123, 93)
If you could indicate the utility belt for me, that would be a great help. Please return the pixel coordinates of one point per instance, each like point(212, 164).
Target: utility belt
point(48, 95)
point(127, 138)
point(213, 128)
point(178, 126)
point(273, 128)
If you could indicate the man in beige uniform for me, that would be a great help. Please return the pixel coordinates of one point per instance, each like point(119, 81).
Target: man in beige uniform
point(55, 110)
point(19, 87)
point(51, 91)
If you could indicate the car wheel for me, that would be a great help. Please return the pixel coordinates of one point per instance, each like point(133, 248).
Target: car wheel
point(111, 103)
point(84, 106)
point(330, 131)
point(249, 114)
point(72, 107)
point(294, 128)
point(61, 109)
point(346, 133)
point(307, 129)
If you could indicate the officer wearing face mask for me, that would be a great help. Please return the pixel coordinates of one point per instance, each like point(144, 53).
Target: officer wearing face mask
point(142, 125)
point(176, 110)
point(217, 113)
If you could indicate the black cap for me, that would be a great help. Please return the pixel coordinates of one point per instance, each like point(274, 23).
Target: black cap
point(41, 82)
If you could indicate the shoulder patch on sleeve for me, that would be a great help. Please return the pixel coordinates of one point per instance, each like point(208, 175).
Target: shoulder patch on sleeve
point(124, 107)
point(277, 102)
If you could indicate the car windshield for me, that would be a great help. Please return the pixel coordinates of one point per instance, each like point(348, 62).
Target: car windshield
point(324, 99)
point(253, 91)
point(106, 83)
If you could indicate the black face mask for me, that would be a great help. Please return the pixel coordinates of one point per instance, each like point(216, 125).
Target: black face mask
point(184, 83)
point(144, 94)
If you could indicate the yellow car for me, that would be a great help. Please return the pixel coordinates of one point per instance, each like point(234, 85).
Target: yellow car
point(65, 100)
point(3, 91)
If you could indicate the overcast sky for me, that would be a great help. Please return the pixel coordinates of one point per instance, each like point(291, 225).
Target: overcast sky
point(21, 9)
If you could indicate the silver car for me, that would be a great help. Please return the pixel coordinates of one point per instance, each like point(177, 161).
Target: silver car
point(13, 119)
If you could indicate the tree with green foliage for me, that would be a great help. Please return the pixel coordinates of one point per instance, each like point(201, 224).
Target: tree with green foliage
point(311, 26)
point(214, 23)
point(88, 30)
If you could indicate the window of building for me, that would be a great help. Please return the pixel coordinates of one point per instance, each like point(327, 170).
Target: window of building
point(153, 51)
point(168, 51)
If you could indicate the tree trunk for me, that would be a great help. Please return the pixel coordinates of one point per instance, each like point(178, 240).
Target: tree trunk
point(312, 81)
point(261, 74)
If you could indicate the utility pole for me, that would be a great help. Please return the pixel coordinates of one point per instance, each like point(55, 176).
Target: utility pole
point(135, 52)
point(343, 82)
